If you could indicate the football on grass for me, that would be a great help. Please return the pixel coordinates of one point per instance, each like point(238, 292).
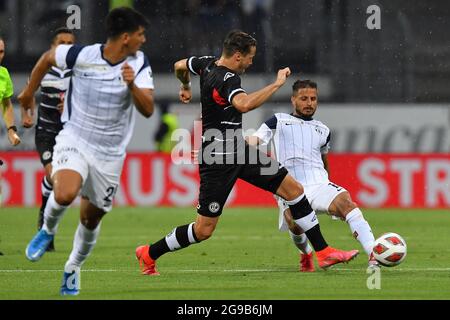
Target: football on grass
point(390, 249)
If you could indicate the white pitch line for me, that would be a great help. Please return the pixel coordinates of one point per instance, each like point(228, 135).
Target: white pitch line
point(225, 270)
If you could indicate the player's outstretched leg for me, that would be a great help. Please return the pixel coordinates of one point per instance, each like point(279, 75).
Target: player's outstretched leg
point(181, 237)
point(40, 242)
point(305, 217)
point(46, 190)
point(343, 207)
point(84, 242)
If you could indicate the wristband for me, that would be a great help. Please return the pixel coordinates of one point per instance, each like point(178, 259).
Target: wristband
point(14, 128)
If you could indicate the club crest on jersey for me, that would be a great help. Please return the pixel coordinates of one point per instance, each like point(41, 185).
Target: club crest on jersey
point(214, 207)
point(228, 75)
point(46, 155)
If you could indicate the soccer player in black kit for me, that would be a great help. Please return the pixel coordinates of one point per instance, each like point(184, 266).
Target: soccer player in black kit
point(225, 156)
point(53, 88)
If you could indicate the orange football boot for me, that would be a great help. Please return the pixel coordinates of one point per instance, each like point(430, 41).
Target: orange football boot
point(331, 256)
point(146, 263)
point(307, 262)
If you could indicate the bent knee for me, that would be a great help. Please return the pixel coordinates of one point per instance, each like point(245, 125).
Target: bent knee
point(65, 197)
point(344, 207)
point(290, 189)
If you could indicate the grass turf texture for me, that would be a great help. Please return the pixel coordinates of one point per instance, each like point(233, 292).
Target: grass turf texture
point(247, 258)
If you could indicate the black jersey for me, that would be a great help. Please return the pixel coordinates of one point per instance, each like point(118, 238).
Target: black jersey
point(221, 122)
point(53, 87)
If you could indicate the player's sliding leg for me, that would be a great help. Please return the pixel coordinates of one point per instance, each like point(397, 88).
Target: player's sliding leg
point(84, 241)
point(180, 237)
point(305, 217)
point(301, 242)
point(46, 190)
point(343, 207)
point(67, 184)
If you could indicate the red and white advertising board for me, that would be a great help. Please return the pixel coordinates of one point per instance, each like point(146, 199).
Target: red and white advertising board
point(152, 179)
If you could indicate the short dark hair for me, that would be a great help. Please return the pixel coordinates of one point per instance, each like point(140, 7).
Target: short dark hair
point(238, 41)
point(62, 30)
point(124, 19)
point(302, 84)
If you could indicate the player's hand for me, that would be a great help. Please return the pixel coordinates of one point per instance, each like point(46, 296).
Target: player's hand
point(128, 74)
point(185, 94)
point(13, 137)
point(282, 75)
point(27, 103)
point(27, 117)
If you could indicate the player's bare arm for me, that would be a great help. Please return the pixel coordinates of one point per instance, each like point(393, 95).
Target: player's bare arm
point(253, 140)
point(26, 97)
point(182, 74)
point(142, 97)
point(8, 116)
point(247, 102)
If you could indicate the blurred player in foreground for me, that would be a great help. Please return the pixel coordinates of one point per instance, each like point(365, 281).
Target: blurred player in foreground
point(301, 145)
point(226, 157)
point(107, 80)
point(53, 87)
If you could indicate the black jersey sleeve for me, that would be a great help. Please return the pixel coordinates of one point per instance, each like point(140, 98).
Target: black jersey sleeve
point(197, 64)
point(231, 86)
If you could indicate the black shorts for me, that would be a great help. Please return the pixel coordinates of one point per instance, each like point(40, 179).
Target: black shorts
point(217, 180)
point(45, 141)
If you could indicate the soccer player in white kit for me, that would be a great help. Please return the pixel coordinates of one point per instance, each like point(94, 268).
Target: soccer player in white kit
point(108, 79)
point(301, 145)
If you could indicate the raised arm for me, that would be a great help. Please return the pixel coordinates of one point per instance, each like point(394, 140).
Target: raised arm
point(182, 74)
point(143, 100)
point(26, 97)
point(142, 97)
point(247, 102)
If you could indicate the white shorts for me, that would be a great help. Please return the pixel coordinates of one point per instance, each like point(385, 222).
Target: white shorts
point(320, 196)
point(100, 178)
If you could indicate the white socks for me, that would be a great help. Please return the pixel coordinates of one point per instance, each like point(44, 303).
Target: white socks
point(52, 214)
point(83, 243)
point(360, 229)
point(301, 242)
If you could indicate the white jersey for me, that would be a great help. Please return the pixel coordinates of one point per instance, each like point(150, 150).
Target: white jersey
point(98, 107)
point(299, 145)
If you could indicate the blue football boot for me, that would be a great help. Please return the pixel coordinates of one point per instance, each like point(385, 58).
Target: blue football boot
point(71, 281)
point(38, 245)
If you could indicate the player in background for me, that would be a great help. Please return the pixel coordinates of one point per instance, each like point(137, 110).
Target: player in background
point(53, 88)
point(301, 145)
point(108, 81)
point(6, 92)
point(225, 156)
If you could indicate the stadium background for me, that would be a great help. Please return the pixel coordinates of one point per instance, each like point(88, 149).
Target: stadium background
point(384, 93)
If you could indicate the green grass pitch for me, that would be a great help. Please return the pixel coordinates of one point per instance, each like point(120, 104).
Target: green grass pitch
point(247, 258)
